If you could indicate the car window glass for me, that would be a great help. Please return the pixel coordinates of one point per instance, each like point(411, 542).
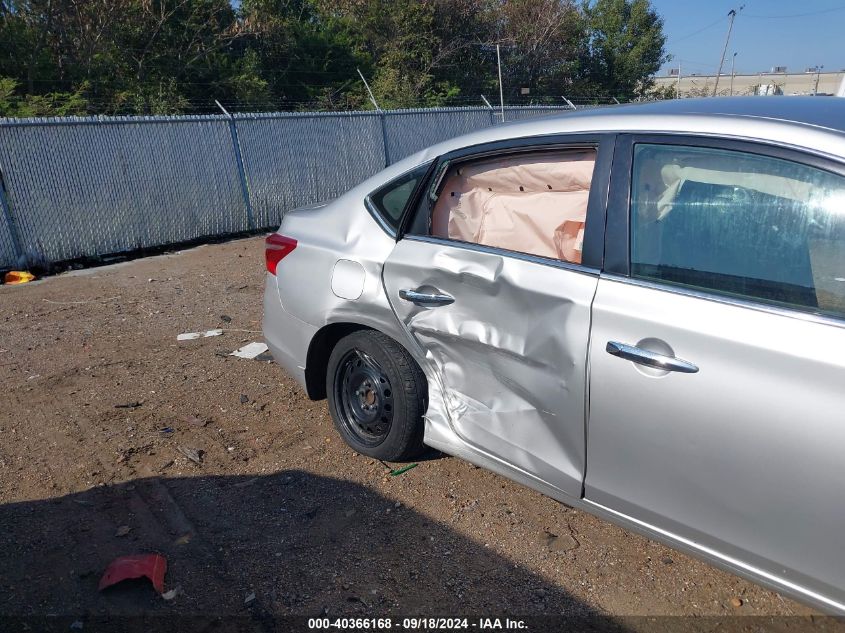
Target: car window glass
point(533, 203)
point(738, 223)
point(390, 200)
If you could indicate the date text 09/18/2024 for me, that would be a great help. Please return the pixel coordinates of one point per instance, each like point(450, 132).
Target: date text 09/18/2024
point(411, 624)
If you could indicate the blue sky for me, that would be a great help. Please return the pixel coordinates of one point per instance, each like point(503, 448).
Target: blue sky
point(766, 33)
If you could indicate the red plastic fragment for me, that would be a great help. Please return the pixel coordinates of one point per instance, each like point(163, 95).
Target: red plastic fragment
point(152, 566)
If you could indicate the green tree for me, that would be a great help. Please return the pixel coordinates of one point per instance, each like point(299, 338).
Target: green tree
point(247, 82)
point(29, 105)
point(421, 53)
point(176, 52)
point(307, 59)
point(545, 41)
point(661, 93)
point(172, 56)
point(140, 56)
point(625, 47)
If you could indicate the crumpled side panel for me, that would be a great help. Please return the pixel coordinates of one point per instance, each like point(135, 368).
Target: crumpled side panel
point(506, 361)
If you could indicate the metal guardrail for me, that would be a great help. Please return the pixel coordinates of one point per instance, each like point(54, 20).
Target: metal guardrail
point(79, 187)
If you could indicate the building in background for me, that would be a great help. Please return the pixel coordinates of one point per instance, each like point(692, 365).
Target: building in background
point(777, 82)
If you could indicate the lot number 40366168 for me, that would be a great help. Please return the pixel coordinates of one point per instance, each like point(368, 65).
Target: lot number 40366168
point(367, 624)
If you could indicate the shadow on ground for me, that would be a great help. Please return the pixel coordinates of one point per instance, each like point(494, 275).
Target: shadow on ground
point(304, 545)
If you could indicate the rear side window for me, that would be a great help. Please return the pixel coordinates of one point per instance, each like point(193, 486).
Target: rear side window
point(533, 203)
point(741, 224)
point(390, 200)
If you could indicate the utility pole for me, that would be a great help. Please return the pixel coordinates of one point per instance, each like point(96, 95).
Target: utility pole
point(733, 74)
point(501, 90)
point(818, 76)
point(732, 16)
point(678, 84)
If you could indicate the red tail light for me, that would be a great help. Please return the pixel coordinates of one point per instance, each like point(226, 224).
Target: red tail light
point(276, 248)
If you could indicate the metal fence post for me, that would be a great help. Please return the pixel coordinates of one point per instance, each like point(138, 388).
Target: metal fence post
point(384, 138)
point(492, 111)
point(14, 233)
point(381, 119)
point(239, 161)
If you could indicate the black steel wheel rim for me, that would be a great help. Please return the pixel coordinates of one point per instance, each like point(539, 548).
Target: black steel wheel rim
point(364, 397)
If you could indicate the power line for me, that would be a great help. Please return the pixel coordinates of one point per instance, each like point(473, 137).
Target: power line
point(701, 30)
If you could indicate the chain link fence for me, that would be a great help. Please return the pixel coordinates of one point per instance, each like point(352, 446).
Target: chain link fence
point(74, 188)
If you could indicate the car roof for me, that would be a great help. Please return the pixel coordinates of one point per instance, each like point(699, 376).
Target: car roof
point(816, 111)
point(815, 123)
point(810, 123)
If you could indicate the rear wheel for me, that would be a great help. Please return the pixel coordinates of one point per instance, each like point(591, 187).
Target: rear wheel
point(377, 396)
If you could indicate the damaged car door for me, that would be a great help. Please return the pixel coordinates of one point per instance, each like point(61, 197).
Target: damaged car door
point(716, 387)
point(494, 279)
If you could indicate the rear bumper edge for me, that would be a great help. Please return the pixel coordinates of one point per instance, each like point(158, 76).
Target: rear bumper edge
point(286, 336)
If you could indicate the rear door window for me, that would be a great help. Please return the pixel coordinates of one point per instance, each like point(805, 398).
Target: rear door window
point(533, 203)
point(742, 224)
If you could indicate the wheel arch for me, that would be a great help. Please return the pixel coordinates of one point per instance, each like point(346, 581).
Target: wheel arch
point(319, 351)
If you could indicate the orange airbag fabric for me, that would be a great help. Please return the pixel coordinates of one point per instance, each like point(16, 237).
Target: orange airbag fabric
point(534, 204)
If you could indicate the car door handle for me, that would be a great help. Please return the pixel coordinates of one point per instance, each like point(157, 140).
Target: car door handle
point(649, 358)
point(425, 299)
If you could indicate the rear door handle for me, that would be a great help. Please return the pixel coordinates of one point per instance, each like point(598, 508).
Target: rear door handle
point(650, 359)
point(425, 299)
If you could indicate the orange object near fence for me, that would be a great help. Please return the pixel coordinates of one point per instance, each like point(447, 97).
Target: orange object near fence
point(18, 277)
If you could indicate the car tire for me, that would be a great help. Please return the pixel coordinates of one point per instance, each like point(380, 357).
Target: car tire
point(377, 396)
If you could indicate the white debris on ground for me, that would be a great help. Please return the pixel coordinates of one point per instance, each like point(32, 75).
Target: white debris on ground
point(250, 351)
point(189, 336)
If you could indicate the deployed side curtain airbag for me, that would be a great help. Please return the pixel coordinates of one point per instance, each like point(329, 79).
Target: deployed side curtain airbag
point(534, 204)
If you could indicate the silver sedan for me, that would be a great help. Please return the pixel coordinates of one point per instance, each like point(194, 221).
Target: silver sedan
point(639, 311)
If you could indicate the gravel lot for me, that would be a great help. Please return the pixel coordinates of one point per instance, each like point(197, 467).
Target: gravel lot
point(100, 401)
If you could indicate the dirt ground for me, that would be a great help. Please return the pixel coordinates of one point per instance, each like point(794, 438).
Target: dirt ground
point(100, 403)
